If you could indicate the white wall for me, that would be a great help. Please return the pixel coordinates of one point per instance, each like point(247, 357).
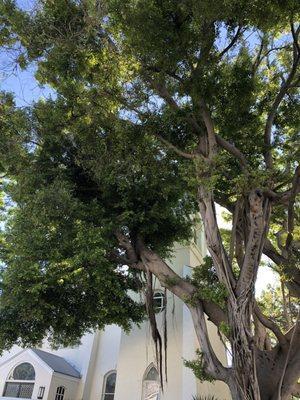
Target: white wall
point(137, 350)
point(78, 356)
point(70, 384)
point(107, 354)
point(42, 373)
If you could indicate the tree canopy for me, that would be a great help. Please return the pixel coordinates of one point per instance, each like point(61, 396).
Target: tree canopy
point(161, 109)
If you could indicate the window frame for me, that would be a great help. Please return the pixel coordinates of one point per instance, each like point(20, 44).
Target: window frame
point(162, 297)
point(19, 382)
point(60, 396)
point(145, 380)
point(106, 376)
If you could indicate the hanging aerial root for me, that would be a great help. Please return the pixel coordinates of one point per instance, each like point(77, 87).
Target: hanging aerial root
point(153, 325)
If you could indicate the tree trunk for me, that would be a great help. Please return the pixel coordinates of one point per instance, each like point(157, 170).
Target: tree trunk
point(243, 351)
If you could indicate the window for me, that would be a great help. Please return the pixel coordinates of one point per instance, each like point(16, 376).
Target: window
point(23, 372)
point(60, 392)
point(159, 301)
point(20, 382)
point(151, 390)
point(109, 386)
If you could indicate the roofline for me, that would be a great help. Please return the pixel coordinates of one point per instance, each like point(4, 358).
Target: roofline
point(40, 360)
point(67, 376)
point(12, 357)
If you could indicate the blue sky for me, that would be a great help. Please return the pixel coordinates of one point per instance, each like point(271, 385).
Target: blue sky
point(21, 82)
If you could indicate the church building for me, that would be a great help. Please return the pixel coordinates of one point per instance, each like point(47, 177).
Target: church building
point(113, 365)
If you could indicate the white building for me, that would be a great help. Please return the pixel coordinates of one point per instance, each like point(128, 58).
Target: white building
point(110, 365)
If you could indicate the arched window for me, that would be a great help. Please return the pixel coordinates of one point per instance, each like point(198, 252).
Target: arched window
point(151, 389)
point(60, 392)
point(109, 386)
point(20, 382)
point(159, 301)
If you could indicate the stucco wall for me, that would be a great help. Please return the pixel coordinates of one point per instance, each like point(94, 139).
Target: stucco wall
point(107, 354)
point(42, 372)
point(70, 384)
point(137, 351)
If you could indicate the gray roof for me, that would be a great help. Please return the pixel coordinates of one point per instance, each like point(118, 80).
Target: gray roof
point(58, 364)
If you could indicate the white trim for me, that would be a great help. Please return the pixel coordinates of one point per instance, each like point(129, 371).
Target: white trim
point(20, 380)
point(65, 376)
point(12, 357)
point(147, 370)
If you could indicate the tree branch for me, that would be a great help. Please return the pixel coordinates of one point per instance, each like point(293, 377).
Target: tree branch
point(291, 211)
point(232, 43)
point(268, 323)
point(209, 124)
point(171, 146)
point(232, 150)
point(250, 262)
point(280, 384)
point(212, 364)
point(164, 93)
point(282, 92)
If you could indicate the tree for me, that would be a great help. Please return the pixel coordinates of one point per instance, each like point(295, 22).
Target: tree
point(161, 106)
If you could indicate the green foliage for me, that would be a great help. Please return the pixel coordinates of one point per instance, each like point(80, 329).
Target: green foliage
point(88, 164)
point(279, 306)
point(224, 328)
point(208, 286)
point(198, 367)
point(69, 195)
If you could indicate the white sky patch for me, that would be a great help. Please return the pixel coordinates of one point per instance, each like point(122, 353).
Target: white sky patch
point(266, 276)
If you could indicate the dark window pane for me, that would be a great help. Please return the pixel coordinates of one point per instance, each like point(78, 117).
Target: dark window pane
point(23, 390)
point(152, 375)
point(26, 390)
point(24, 372)
point(60, 391)
point(158, 302)
point(109, 397)
point(111, 383)
point(11, 390)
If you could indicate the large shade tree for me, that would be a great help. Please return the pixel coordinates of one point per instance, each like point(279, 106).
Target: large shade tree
point(162, 108)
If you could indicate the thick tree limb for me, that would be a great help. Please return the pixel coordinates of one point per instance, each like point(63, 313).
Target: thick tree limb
point(234, 229)
point(268, 323)
point(214, 240)
point(164, 93)
point(209, 124)
point(252, 252)
point(295, 34)
point(171, 74)
point(272, 253)
point(166, 276)
point(293, 340)
point(291, 212)
point(212, 364)
point(171, 146)
point(232, 150)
